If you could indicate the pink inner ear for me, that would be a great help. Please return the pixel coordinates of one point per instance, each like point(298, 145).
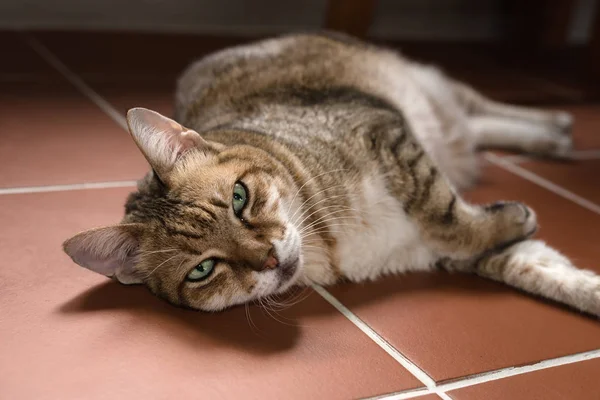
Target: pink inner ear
point(108, 251)
point(161, 139)
point(106, 267)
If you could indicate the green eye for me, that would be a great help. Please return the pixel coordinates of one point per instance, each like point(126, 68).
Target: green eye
point(202, 271)
point(240, 197)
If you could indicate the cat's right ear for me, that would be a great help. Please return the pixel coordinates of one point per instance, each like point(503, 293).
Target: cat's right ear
point(163, 141)
point(110, 251)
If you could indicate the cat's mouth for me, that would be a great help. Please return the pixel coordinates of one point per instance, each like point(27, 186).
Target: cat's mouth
point(287, 271)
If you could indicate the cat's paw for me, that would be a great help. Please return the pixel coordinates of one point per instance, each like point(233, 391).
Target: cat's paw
point(519, 220)
point(563, 122)
point(563, 147)
point(554, 145)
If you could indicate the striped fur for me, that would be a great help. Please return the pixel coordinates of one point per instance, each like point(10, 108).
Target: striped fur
point(353, 157)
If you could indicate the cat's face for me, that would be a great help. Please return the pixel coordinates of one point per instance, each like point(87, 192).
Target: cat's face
point(210, 230)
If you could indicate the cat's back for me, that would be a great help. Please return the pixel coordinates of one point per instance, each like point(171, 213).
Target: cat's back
point(237, 79)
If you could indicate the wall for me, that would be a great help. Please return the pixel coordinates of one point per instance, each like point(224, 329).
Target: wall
point(410, 19)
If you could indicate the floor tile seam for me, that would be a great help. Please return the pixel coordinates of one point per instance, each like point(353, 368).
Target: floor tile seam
point(76, 81)
point(50, 58)
point(542, 182)
point(84, 88)
point(403, 394)
point(67, 187)
point(445, 386)
point(411, 367)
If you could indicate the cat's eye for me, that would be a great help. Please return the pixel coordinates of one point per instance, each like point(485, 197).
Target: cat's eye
point(240, 197)
point(202, 270)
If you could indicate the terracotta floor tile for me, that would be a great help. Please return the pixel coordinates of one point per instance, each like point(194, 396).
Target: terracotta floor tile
point(157, 97)
point(580, 223)
point(429, 397)
point(573, 381)
point(580, 177)
point(586, 129)
point(456, 325)
point(81, 336)
point(53, 135)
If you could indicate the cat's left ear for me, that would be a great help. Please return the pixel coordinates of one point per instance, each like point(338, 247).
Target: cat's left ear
point(163, 141)
point(110, 251)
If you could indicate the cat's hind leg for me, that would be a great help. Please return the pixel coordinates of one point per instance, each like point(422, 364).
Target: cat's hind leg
point(492, 132)
point(448, 223)
point(505, 126)
point(536, 268)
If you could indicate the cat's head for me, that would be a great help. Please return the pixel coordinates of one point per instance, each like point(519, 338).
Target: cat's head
point(208, 228)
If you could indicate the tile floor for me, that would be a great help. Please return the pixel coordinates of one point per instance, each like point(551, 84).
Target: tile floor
point(67, 164)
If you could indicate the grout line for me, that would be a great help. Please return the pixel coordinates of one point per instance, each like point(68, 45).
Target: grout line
point(431, 386)
point(517, 158)
point(538, 180)
point(476, 379)
point(388, 348)
point(75, 80)
point(68, 187)
point(442, 395)
point(512, 371)
point(105, 106)
point(405, 394)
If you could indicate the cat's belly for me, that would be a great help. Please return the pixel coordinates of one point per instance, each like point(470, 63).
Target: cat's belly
point(387, 241)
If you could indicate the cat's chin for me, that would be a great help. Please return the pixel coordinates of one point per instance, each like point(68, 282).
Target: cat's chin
point(289, 274)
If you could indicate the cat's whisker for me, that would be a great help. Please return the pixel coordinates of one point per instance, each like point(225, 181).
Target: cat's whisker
point(315, 194)
point(251, 323)
point(325, 217)
point(316, 240)
point(303, 295)
point(340, 209)
point(306, 183)
point(332, 218)
point(321, 231)
point(148, 252)
point(274, 313)
point(313, 205)
point(290, 301)
point(161, 264)
point(362, 212)
point(312, 247)
point(327, 229)
point(269, 313)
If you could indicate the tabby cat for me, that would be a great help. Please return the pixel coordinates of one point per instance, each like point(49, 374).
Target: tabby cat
point(312, 158)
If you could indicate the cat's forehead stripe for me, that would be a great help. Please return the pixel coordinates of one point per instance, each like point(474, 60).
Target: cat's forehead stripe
point(217, 202)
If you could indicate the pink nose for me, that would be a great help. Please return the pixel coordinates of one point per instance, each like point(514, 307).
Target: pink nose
point(271, 262)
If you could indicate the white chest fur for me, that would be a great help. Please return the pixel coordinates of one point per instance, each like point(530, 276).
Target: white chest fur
point(386, 241)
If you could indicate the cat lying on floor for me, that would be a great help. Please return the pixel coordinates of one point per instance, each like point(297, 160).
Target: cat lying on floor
point(315, 158)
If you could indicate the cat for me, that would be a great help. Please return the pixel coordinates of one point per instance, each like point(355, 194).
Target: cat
point(314, 158)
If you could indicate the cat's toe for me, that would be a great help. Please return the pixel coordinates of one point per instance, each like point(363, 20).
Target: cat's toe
point(563, 147)
point(520, 219)
point(564, 122)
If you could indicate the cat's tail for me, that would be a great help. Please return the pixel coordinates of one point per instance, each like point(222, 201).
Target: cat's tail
point(536, 268)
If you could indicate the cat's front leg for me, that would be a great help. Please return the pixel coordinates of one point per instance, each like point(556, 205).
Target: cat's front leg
point(536, 268)
point(450, 225)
